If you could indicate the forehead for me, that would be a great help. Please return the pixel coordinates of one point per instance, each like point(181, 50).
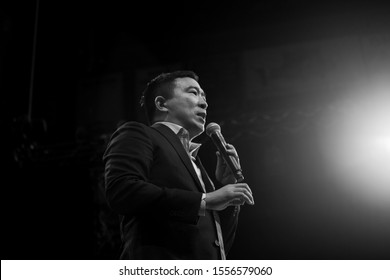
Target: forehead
point(186, 82)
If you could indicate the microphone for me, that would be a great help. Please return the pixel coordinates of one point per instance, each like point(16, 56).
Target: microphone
point(213, 130)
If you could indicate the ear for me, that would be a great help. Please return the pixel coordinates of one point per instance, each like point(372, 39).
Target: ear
point(159, 102)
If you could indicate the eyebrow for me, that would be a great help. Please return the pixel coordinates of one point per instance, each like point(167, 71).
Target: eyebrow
point(197, 89)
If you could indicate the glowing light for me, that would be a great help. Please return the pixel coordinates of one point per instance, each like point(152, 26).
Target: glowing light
point(356, 145)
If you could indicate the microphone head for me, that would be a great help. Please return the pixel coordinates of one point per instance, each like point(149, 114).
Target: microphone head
point(212, 128)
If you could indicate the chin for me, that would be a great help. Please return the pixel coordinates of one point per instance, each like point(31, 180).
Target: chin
point(201, 127)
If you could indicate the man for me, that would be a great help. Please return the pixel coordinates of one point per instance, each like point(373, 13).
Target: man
point(155, 181)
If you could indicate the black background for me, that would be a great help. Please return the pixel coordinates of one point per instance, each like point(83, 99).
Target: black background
point(53, 204)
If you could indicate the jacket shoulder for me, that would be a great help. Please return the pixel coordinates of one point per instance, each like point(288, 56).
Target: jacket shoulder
point(133, 125)
point(130, 130)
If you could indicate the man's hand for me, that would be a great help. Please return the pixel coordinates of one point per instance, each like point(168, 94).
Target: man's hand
point(229, 195)
point(222, 172)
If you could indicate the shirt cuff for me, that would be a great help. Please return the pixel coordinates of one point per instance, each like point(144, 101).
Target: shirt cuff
point(202, 208)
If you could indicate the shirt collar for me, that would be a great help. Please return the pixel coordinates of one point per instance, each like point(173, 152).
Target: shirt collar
point(174, 127)
point(194, 147)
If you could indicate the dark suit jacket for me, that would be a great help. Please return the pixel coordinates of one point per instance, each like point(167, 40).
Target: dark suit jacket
point(151, 183)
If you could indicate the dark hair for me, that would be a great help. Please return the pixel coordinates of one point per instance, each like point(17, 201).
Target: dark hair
point(156, 86)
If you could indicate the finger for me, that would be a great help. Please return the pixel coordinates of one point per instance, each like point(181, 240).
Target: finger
point(250, 196)
point(229, 146)
point(231, 150)
point(242, 186)
point(244, 195)
point(247, 198)
point(230, 154)
point(233, 154)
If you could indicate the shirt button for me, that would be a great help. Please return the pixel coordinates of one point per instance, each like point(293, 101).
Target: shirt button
point(216, 242)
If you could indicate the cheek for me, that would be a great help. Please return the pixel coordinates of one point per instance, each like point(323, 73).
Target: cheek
point(184, 106)
point(187, 104)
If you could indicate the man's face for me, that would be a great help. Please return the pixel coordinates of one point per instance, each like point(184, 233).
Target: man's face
point(187, 106)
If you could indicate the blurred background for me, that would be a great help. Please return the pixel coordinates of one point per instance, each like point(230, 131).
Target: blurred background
point(301, 88)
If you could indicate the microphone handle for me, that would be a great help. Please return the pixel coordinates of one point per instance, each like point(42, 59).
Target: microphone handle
point(220, 143)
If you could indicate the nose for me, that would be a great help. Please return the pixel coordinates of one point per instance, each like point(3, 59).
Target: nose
point(202, 103)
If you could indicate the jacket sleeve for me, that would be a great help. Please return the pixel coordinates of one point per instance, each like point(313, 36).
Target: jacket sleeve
point(128, 160)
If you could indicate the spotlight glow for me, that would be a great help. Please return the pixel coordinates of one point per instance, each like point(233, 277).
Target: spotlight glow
point(356, 144)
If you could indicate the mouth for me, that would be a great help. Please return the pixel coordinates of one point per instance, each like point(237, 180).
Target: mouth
point(202, 115)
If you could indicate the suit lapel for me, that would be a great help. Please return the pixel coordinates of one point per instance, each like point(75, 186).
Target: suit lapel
point(174, 140)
